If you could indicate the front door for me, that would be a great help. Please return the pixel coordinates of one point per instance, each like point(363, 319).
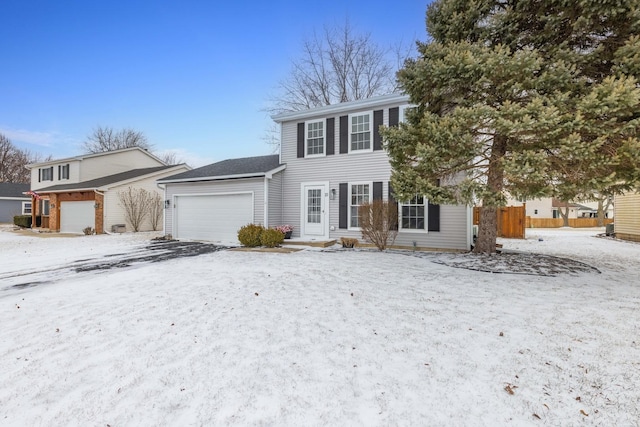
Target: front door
point(314, 210)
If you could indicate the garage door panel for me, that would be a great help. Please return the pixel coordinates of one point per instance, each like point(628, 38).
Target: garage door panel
point(214, 218)
point(76, 216)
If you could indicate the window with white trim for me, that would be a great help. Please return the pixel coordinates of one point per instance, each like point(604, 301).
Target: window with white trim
point(26, 208)
point(63, 171)
point(46, 174)
point(413, 214)
point(360, 131)
point(359, 194)
point(403, 112)
point(315, 137)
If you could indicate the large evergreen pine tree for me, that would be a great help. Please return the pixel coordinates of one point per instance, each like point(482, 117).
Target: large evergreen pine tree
point(531, 98)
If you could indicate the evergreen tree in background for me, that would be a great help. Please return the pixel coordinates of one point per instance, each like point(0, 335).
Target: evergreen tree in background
point(532, 98)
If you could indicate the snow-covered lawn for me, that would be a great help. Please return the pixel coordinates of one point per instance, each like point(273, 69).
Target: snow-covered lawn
point(318, 338)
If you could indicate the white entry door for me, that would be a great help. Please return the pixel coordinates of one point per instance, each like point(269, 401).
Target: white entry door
point(314, 210)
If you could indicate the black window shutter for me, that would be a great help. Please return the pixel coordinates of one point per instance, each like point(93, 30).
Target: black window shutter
point(344, 134)
point(344, 205)
point(59, 172)
point(51, 174)
point(377, 122)
point(394, 116)
point(300, 140)
point(433, 212)
point(393, 200)
point(331, 137)
point(377, 191)
point(39, 175)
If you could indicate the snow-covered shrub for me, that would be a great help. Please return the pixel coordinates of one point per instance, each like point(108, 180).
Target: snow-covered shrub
point(249, 235)
point(271, 238)
point(348, 242)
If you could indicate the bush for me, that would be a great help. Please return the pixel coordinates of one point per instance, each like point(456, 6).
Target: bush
point(271, 238)
point(379, 223)
point(88, 231)
point(22, 221)
point(249, 235)
point(348, 242)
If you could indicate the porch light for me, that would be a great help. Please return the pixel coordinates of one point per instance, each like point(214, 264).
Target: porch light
point(97, 205)
point(167, 204)
point(333, 194)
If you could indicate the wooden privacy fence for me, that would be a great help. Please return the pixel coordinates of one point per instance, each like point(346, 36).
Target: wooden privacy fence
point(558, 222)
point(511, 221)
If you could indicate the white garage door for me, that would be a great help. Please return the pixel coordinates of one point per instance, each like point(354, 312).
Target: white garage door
point(215, 218)
point(76, 216)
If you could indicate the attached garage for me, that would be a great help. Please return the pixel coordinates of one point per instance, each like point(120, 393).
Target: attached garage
point(76, 216)
point(212, 217)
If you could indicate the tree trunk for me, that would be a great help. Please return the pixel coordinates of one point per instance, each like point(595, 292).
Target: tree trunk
point(488, 224)
point(564, 215)
point(600, 213)
point(487, 230)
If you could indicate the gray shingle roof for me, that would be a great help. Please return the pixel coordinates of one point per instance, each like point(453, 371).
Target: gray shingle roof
point(105, 180)
point(228, 168)
point(10, 189)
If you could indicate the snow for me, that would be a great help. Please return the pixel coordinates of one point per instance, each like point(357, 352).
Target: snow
point(337, 337)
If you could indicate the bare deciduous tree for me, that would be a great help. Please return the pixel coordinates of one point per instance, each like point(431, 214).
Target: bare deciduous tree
point(156, 211)
point(13, 162)
point(136, 202)
point(378, 221)
point(107, 139)
point(338, 65)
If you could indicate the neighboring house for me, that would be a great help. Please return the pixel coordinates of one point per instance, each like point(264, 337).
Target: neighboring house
point(78, 192)
point(13, 201)
point(549, 208)
point(627, 209)
point(331, 161)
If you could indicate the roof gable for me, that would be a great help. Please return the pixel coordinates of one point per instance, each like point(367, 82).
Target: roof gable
point(91, 155)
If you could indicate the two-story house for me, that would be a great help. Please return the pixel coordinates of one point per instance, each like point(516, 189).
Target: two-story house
point(71, 194)
point(331, 161)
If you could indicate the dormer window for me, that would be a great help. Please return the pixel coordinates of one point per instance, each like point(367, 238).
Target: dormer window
point(360, 132)
point(315, 138)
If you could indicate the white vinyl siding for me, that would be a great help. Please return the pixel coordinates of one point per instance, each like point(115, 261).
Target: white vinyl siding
point(368, 167)
point(114, 213)
point(275, 200)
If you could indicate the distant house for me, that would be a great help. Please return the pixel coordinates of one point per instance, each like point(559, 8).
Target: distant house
point(548, 207)
point(331, 161)
point(74, 193)
point(13, 201)
point(627, 209)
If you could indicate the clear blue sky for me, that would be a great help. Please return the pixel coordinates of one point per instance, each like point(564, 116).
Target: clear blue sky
point(194, 76)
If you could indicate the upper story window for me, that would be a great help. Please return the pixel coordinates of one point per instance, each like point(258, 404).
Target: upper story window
point(359, 194)
point(45, 174)
point(315, 138)
point(412, 216)
point(404, 109)
point(63, 171)
point(360, 126)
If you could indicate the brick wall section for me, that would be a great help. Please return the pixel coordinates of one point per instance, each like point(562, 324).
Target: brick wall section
point(99, 198)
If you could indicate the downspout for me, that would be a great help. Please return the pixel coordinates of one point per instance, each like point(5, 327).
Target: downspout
point(266, 201)
point(163, 187)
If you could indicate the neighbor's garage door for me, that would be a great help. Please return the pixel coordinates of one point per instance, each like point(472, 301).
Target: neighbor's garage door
point(76, 216)
point(215, 218)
